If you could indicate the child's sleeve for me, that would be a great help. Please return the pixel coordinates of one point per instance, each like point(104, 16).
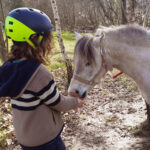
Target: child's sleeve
point(50, 96)
point(66, 103)
point(48, 93)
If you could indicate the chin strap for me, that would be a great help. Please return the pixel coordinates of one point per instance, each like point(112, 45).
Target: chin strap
point(40, 39)
point(32, 44)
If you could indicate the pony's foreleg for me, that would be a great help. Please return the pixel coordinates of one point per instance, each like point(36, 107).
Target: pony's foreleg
point(148, 114)
point(146, 123)
point(145, 126)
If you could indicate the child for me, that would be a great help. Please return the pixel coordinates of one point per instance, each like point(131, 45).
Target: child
point(36, 103)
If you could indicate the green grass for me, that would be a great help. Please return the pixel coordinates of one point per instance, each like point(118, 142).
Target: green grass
point(57, 60)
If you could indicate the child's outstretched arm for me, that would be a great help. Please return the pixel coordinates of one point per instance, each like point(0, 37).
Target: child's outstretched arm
point(67, 103)
point(48, 93)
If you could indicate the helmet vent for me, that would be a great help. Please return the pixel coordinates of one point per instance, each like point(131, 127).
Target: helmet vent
point(41, 12)
point(10, 30)
point(18, 11)
point(31, 9)
point(10, 22)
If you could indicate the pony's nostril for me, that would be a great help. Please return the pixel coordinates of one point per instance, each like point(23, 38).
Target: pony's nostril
point(76, 91)
point(83, 95)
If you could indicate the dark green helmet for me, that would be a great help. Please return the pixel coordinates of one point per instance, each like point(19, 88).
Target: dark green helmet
point(21, 23)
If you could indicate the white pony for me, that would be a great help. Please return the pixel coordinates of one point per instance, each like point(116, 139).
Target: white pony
point(126, 48)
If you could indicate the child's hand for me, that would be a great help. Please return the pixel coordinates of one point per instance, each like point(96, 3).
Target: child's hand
point(81, 102)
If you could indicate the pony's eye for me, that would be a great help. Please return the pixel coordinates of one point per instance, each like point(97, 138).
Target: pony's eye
point(87, 64)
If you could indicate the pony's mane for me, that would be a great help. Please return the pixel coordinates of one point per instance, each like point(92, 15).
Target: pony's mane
point(85, 48)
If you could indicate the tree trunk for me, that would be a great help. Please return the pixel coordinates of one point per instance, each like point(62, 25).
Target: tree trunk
point(62, 47)
point(131, 10)
point(146, 17)
point(3, 49)
point(124, 12)
point(3, 44)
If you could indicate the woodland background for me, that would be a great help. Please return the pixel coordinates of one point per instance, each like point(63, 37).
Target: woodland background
point(87, 14)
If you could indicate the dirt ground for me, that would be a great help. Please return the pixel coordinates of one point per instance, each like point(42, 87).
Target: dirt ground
point(109, 120)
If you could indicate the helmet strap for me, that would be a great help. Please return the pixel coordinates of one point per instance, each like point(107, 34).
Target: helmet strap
point(31, 43)
point(40, 39)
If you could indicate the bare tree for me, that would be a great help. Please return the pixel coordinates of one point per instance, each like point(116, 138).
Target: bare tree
point(146, 17)
point(104, 5)
point(62, 47)
point(3, 44)
point(131, 10)
point(124, 12)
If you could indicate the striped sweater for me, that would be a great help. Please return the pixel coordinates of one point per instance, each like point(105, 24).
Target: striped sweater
point(35, 100)
point(30, 100)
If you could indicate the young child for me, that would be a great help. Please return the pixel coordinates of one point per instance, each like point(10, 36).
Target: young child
point(36, 103)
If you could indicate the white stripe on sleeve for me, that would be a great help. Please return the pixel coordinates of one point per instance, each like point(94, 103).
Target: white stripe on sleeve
point(53, 99)
point(48, 92)
point(24, 104)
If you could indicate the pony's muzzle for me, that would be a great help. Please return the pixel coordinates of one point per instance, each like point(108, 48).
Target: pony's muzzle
point(76, 89)
point(83, 95)
point(77, 93)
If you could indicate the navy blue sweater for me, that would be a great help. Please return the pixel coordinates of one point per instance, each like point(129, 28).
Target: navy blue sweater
point(14, 76)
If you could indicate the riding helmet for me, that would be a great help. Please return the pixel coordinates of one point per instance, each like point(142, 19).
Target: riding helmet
point(21, 23)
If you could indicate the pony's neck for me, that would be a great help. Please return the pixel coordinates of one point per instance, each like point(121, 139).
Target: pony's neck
point(127, 58)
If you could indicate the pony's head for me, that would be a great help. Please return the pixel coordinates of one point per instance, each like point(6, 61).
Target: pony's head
point(88, 63)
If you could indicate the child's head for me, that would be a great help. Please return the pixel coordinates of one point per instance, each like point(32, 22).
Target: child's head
point(30, 31)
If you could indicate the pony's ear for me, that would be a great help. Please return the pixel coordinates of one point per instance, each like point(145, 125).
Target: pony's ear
point(77, 35)
point(97, 40)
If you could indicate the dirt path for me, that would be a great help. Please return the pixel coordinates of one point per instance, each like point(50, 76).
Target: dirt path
point(108, 120)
